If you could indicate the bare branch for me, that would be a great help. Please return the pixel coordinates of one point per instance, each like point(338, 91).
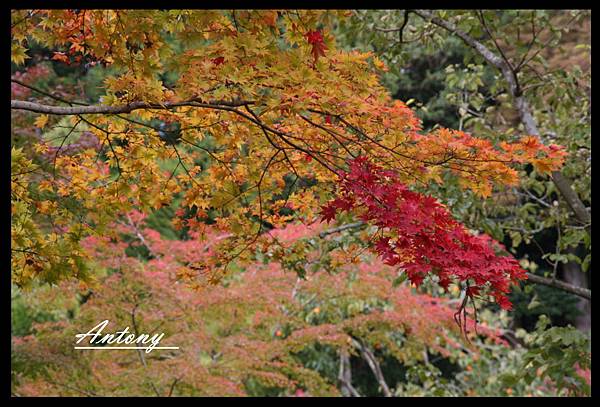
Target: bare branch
point(140, 237)
point(579, 291)
point(354, 225)
point(140, 352)
point(55, 97)
point(345, 376)
point(373, 363)
point(128, 108)
point(172, 387)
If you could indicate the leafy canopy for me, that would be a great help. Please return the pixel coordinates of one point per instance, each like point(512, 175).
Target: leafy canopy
point(248, 118)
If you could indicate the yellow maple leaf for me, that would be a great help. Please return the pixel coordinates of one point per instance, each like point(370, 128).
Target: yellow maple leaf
point(18, 54)
point(543, 166)
point(41, 121)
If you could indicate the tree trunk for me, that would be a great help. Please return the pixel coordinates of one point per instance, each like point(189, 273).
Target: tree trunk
point(573, 274)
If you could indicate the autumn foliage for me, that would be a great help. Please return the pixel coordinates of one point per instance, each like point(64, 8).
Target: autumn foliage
point(263, 104)
point(298, 192)
point(250, 332)
point(418, 234)
point(243, 183)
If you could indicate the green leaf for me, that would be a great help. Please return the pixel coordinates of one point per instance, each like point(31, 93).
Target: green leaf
point(585, 265)
point(400, 279)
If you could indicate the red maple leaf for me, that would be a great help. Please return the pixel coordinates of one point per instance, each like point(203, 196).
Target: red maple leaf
point(328, 213)
point(315, 39)
point(218, 61)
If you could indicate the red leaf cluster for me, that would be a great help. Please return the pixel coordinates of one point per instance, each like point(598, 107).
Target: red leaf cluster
point(419, 234)
point(315, 39)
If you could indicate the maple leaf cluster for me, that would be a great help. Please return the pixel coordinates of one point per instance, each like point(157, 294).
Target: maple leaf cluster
point(315, 39)
point(420, 235)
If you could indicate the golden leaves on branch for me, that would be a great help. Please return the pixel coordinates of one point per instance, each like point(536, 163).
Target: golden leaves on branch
point(288, 111)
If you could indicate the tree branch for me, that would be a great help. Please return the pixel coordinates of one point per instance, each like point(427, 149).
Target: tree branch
point(55, 97)
point(227, 105)
point(331, 231)
point(172, 387)
point(579, 291)
point(533, 278)
point(373, 363)
point(345, 376)
point(140, 352)
point(128, 108)
point(140, 237)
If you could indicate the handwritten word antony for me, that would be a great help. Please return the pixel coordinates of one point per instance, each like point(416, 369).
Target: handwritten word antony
point(120, 337)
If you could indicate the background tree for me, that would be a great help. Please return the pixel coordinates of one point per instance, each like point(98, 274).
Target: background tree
point(352, 331)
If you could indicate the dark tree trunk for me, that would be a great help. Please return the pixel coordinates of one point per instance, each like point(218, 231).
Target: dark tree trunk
point(572, 274)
